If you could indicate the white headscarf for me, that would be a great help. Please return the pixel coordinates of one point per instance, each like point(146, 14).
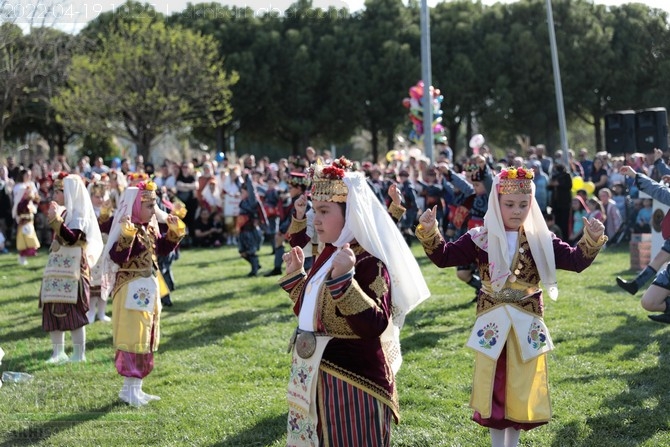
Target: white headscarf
point(18, 192)
point(369, 223)
point(81, 216)
point(125, 208)
point(538, 236)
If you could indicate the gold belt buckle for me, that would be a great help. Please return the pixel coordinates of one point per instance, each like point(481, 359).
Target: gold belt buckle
point(305, 344)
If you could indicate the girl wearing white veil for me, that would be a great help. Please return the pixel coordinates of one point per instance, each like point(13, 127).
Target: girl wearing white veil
point(350, 309)
point(76, 247)
point(514, 251)
point(130, 276)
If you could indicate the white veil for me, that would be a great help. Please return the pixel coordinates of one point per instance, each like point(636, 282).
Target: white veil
point(81, 216)
point(109, 267)
point(537, 234)
point(369, 223)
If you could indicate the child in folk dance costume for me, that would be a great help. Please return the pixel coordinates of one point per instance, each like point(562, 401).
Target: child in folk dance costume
point(130, 272)
point(514, 251)
point(350, 308)
point(102, 206)
point(77, 245)
point(27, 242)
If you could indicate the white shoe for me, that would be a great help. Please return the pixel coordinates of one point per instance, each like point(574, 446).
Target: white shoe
point(23, 260)
point(149, 397)
point(104, 318)
point(131, 392)
point(58, 359)
point(78, 358)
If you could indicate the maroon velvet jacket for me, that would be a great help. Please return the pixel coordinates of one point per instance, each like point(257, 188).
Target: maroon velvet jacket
point(139, 253)
point(63, 316)
point(464, 251)
point(355, 312)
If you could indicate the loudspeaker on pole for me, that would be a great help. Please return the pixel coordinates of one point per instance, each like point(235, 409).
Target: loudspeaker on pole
point(651, 129)
point(620, 132)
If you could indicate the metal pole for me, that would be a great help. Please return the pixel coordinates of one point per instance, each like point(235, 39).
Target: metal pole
point(427, 81)
point(557, 85)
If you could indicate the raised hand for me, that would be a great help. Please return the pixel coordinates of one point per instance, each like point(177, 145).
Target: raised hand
point(344, 261)
point(294, 260)
point(53, 209)
point(658, 154)
point(300, 207)
point(594, 227)
point(627, 171)
point(427, 219)
point(395, 194)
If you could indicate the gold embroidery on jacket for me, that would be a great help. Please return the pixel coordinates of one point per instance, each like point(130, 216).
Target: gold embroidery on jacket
point(589, 247)
point(430, 240)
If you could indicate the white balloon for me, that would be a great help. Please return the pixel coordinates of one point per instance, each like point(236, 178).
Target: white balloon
point(476, 141)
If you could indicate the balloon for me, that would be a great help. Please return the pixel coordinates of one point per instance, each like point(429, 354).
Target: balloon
point(416, 92)
point(390, 155)
point(476, 141)
point(220, 157)
point(589, 187)
point(577, 183)
point(415, 105)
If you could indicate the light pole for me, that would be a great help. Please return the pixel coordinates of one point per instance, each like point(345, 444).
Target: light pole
point(427, 81)
point(557, 85)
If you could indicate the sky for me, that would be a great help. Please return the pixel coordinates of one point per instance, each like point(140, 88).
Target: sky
point(72, 15)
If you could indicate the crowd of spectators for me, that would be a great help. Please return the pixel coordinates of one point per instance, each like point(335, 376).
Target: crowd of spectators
point(210, 189)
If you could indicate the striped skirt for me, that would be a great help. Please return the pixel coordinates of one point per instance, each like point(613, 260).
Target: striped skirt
point(350, 417)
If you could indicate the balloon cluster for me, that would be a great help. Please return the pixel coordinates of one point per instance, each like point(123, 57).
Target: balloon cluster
point(579, 183)
point(415, 105)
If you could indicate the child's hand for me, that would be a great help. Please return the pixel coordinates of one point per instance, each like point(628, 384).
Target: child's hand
point(658, 154)
point(53, 209)
point(294, 260)
point(627, 171)
point(300, 207)
point(395, 195)
point(594, 227)
point(427, 219)
point(344, 261)
point(172, 219)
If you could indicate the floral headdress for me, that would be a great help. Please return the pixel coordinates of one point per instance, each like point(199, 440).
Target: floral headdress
point(515, 181)
point(57, 180)
point(327, 184)
point(147, 191)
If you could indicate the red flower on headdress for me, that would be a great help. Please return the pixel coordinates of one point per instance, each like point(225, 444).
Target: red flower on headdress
point(332, 172)
point(147, 186)
point(335, 171)
point(58, 175)
point(516, 173)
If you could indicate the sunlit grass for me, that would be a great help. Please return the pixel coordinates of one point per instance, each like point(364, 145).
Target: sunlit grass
point(222, 366)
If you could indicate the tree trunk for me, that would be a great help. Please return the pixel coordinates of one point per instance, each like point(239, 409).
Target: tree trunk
point(597, 127)
point(375, 145)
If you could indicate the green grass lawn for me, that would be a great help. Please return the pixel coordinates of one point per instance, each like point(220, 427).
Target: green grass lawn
point(222, 366)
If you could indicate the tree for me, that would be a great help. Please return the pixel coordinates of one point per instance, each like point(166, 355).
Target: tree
point(36, 114)
point(143, 80)
point(454, 45)
point(386, 49)
point(18, 64)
